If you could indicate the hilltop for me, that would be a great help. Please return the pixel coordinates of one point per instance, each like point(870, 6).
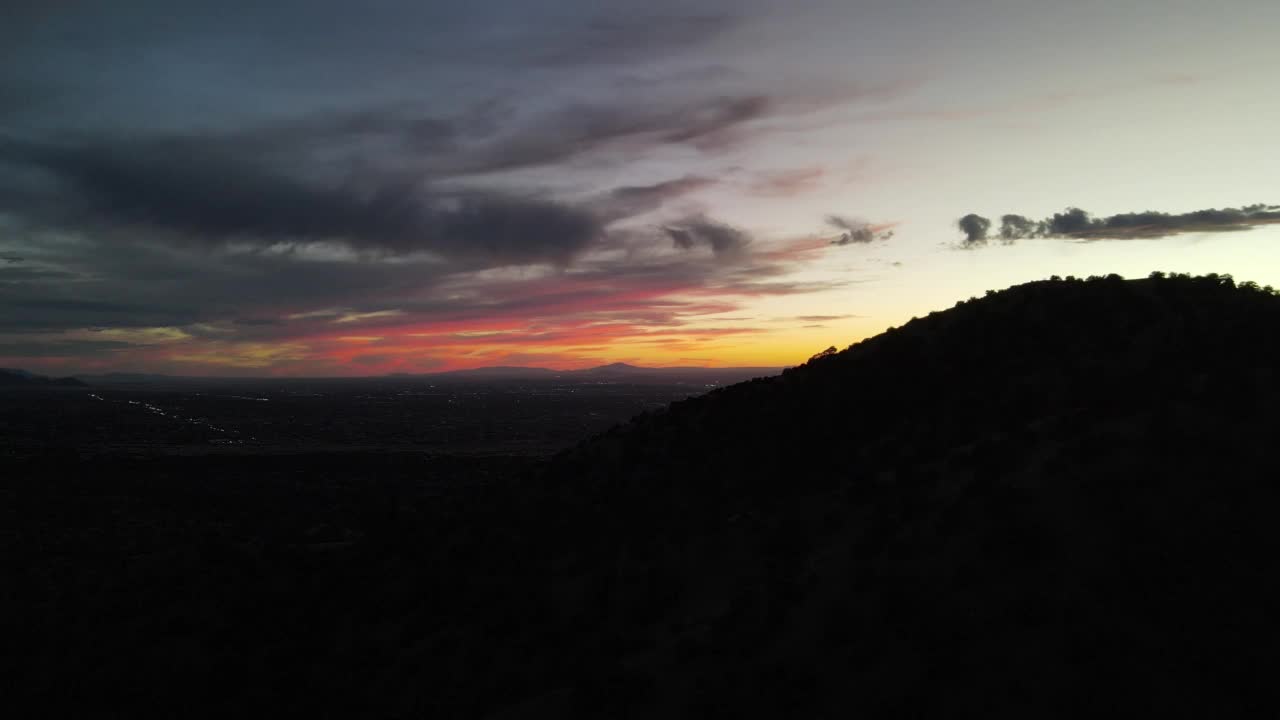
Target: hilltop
point(1051, 501)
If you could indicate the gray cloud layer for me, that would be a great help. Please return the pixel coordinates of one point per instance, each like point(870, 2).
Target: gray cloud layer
point(725, 241)
point(252, 171)
point(1074, 223)
point(211, 198)
point(632, 200)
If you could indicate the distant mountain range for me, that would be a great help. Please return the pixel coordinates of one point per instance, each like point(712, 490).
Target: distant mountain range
point(615, 372)
point(12, 377)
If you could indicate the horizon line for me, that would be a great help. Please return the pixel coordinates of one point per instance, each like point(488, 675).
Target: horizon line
point(109, 373)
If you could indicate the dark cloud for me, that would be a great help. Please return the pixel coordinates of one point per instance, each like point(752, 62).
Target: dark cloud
point(1016, 227)
point(401, 130)
point(370, 178)
point(38, 305)
point(975, 229)
point(166, 186)
point(823, 318)
point(60, 348)
point(1158, 224)
point(15, 273)
point(217, 198)
point(493, 136)
point(632, 200)
point(131, 280)
point(1068, 222)
point(858, 232)
point(706, 126)
point(563, 134)
point(633, 38)
point(725, 241)
point(510, 230)
point(1077, 224)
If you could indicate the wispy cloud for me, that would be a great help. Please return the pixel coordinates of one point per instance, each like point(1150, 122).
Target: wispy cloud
point(787, 183)
point(632, 200)
point(725, 241)
point(353, 317)
point(636, 37)
point(859, 232)
point(823, 318)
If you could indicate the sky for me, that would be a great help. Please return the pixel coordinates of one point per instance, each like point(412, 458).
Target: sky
point(329, 188)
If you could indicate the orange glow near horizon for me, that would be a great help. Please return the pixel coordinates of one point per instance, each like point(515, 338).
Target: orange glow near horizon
point(582, 318)
point(566, 321)
point(455, 346)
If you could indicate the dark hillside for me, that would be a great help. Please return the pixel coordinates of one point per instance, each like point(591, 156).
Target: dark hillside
point(1055, 494)
point(1056, 500)
point(1011, 368)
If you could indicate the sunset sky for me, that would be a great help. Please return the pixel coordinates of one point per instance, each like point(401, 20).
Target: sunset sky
point(357, 188)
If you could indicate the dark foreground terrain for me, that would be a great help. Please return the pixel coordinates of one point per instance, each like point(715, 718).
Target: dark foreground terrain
point(1057, 500)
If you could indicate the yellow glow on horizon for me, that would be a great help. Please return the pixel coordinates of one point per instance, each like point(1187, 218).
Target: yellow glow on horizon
point(243, 355)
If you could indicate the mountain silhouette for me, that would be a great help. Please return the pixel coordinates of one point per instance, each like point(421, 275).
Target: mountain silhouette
point(617, 367)
point(1044, 501)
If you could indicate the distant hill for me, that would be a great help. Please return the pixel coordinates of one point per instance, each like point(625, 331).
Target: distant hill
point(12, 377)
point(123, 377)
point(623, 370)
point(497, 373)
point(615, 368)
point(615, 372)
